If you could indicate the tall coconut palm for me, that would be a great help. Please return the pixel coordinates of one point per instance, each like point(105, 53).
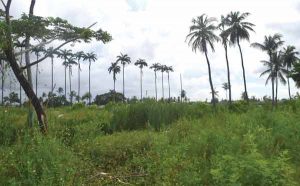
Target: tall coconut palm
point(50, 52)
point(37, 52)
point(155, 67)
point(65, 54)
point(162, 69)
point(91, 57)
point(168, 70)
point(201, 37)
point(225, 42)
point(141, 63)
point(289, 59)
point(20, 45)
point(124, 59)
point(114, 69)
point(275, 70)
point(238, 30)
point(270, 45)
point(69, 63)
point(79, 55)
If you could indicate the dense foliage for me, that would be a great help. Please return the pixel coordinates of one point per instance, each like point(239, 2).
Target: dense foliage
point(154, 143)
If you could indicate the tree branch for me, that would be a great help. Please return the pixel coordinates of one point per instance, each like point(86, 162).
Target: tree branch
point(3, 4)
point(38, 45)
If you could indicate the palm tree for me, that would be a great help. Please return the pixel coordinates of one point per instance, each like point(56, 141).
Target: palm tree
point(225, 42)
point(155, 67)
point(79, 56)
point(168, 70)
point(162, 68)
point(20, 45)
point(65, 54)
point(69, 63)
point(275, 70)
point(201, 37)
point(270, 45)
point(226, 87)
point(238, 30)
point(37, 52)
point(141, 63)
point(289, 58)
point(50, 52)
point(90, 57)
point(3, 67)
point(124, 59)
point(115, 69)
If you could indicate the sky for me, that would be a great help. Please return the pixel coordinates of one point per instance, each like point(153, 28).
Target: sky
point(155, 30)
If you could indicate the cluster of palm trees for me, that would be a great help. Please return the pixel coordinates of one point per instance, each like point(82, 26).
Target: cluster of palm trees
point(124, 59)
point(69, 60)
point(279, 63)
point(232, 30)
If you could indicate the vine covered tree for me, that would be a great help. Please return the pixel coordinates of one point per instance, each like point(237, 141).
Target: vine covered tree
point(124, 59)
point(46, 30)
point(201, 37)
point(238, 30)
point(141, 63)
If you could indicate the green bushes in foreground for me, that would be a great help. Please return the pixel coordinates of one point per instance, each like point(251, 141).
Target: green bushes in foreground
point(246, 144)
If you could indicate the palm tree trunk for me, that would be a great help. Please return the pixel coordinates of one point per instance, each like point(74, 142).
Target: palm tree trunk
point(273, 97)
point(2, 82)
point(244, 76)
point(288, 80)
point(36, 77)
point(155, 86)
point(228, 73)
point(169, 87)
point(90, 82)
point(66, 82)
point(20, 83)
point(210, 81)
point(78, 81)
point(114, 88)
point(141, 77)
point(123, 84)
point(276, 90)
point(71, 96)
point(162, 85)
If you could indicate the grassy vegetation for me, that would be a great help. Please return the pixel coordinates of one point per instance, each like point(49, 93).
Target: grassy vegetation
point(154, 144)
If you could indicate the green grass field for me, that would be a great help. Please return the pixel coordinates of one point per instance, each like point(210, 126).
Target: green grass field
point(153, 144)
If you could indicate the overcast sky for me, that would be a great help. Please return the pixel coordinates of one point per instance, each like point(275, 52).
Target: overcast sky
point(155, 30)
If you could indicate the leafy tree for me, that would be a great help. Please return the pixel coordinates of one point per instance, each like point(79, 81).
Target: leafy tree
point(114, 69)
point(141, 63)
point(87, 96)
point(65, 55)
point(225, 41)
point(155, 67)
point(201, 37)
point(12, 98)
point(238, 30)
point(124, 59)
point(168, 70)
point(79, 55)
point(270, 45)
point(90, 57)
point(105, 98)
point(46, 30)
point(289, 59)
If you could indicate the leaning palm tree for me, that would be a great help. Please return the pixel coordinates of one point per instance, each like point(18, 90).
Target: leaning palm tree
point(65, 54)
point(114, 69)
point(155, 67)
point(201, 37)
point(90, 57)
point(238, 30)
point(225, 43)
point(270, 45)
point(79, 56)
point(141, 63)
point(124, 59)
point(289, 59)
point(168, 70)
point(37, 52)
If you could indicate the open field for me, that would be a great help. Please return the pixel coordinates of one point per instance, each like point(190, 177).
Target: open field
point(154, 144)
